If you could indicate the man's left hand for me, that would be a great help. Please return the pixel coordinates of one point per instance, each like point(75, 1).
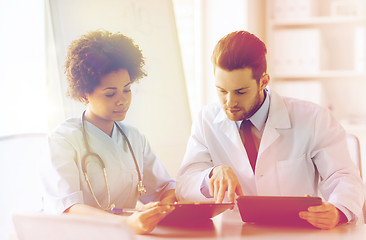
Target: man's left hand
point(325, 216)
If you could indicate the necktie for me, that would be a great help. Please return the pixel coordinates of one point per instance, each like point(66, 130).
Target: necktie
point(248, 140)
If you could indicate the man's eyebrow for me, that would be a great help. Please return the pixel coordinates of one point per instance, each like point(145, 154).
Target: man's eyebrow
point(244, 88)
point(239, 89)
point(221, 88)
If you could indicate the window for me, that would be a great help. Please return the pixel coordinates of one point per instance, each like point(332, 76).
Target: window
point(22, 67)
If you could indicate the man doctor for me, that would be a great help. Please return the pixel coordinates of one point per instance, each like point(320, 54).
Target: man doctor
point(258, 143)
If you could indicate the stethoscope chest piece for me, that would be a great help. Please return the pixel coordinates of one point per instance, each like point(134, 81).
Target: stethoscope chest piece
point(141, 188)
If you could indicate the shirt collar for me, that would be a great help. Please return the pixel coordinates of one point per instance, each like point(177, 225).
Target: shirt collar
point(259, 118)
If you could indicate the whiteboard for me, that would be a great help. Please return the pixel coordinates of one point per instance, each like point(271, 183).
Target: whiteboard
point(159, 105)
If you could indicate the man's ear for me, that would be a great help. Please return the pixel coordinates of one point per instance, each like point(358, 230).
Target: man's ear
point(84, 99)
point(264, 81)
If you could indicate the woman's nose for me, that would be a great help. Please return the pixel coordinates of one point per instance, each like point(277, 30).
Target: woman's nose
point(121, 99)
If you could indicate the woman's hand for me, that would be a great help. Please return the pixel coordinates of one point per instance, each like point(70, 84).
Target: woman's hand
point(168, 197)
point(145, 221)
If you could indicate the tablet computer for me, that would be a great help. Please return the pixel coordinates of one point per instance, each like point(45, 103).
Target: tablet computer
point(195, 211)
point(275, 209)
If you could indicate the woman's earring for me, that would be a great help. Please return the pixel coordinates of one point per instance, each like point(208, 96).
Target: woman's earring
point(84, 100)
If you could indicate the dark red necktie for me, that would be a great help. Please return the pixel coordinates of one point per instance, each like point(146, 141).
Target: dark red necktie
point(248, 140)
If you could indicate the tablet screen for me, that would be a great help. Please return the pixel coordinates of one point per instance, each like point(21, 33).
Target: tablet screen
point(275, 209)
point(196, 211)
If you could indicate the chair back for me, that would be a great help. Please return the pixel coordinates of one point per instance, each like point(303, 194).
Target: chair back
point(354, 148)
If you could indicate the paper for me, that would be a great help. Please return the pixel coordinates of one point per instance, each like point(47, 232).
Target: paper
point(70, 227)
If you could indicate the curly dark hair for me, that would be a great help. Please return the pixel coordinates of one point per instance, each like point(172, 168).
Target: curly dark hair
point(96, 54)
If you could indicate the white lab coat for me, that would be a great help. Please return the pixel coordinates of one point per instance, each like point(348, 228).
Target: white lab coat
point(302, 151)
point(64, 181)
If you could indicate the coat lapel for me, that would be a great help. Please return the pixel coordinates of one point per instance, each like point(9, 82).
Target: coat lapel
point(278, 118)
point(229, 129)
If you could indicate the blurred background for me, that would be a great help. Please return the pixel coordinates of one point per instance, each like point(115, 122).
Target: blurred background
point(316, 52)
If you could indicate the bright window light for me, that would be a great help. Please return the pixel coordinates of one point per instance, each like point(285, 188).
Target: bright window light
point(22, 67)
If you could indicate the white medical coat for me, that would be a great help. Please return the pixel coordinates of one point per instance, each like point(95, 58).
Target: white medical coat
point(64, 181)
point(302, 151)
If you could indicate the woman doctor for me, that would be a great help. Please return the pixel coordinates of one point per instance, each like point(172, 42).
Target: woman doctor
point(97, 163)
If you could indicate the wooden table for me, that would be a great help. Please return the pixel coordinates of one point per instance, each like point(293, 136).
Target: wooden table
point(229, 225)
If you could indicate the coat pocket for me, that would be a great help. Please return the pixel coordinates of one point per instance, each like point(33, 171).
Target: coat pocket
point(297, 177)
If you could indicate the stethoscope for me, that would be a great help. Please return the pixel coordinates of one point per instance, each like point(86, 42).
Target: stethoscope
point(140, 187)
